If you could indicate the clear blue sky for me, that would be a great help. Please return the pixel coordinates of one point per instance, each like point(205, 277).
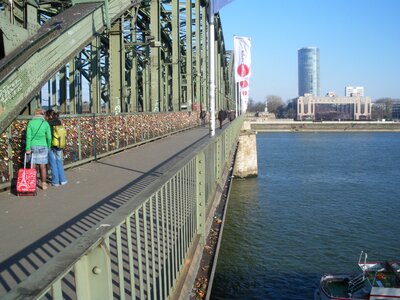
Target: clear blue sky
point(359, 43)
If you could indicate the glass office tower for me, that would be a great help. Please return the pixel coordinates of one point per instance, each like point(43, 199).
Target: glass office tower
point(308, 60)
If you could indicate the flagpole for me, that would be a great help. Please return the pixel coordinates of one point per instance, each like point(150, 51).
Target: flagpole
point(237, 98)
point(212, 68)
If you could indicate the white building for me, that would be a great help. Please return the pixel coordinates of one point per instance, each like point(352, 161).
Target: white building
point(332, 108)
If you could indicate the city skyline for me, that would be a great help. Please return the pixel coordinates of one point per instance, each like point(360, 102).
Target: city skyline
point(358, 42)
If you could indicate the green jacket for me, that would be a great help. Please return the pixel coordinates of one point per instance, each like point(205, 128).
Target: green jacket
point(38, 133)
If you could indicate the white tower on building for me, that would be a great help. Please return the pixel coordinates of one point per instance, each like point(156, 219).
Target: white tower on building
point(354, 91)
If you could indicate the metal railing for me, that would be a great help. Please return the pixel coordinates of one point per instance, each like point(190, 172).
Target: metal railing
point(92, 136)
point(140, 250)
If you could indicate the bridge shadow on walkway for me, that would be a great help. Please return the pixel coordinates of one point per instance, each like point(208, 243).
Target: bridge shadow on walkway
point(35, 229)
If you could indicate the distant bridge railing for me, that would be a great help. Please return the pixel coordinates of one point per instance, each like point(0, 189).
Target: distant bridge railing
point(92, 136)
point(140, 251)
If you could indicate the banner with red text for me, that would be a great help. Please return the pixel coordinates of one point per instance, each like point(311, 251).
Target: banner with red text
point(242, 58)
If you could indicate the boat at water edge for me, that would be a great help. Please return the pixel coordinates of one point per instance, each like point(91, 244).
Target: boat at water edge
point(377, 281)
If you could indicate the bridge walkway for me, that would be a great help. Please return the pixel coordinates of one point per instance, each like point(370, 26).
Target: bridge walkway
point(34, 229)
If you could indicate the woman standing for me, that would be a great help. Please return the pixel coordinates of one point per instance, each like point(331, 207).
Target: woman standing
point(38, 142)
point(55, 153)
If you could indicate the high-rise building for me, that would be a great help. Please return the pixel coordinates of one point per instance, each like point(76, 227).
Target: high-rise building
point(308, 71)
point(352, 91)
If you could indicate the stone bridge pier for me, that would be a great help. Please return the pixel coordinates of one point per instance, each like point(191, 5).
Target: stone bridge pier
point(246, 158)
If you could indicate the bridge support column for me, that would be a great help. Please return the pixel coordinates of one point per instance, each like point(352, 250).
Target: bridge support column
point(63, 90)
point(176, 58)
point(115, 67)
point(189, 57)
point(155, 56)
point(95, 87)
point(246, 159)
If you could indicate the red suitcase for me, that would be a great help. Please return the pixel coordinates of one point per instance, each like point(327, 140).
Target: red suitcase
point(26, 182)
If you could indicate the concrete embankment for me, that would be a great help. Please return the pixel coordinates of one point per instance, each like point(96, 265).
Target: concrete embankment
point(271, 126)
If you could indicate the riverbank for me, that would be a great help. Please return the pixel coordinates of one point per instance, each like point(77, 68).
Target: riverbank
point(265, 125)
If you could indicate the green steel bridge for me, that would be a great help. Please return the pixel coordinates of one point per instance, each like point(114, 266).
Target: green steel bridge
point(125, 75)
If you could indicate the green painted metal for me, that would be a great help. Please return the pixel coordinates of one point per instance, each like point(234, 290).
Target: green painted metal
point(53, 103)
point(10, 152)
point(201, 196)
point(56, 290)
point(72, 85)
point(115, 67)
point(204, 51)
point(95, 87)
point(19, 86)
point(165, 245)
point(159, 293)
point(155, 55)
point(130, 257)
point(134, 68)
point(146, 248)
point(167, 50)
point(189, 55)
point(120, 263)
point(123, 85)
point(93, 274)
point(63, 90)
point(173, 199)
point(139, 253)
point(176, 58)
point(79, 139)
point(156, 230)
point(49, 52)
point(153, 279)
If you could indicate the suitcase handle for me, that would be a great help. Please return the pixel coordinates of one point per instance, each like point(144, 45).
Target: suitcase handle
point(25, 160)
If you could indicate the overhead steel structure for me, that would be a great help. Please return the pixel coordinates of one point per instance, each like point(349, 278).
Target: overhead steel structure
point(111, 57)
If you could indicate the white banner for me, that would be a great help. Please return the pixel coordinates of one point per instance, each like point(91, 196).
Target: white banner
point(218, 4)
point(244, 96)
point(242, 57)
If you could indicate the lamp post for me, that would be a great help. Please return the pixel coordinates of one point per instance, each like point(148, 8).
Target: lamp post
point(212, 69)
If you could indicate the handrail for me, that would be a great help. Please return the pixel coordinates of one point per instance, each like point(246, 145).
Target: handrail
point(141, 248)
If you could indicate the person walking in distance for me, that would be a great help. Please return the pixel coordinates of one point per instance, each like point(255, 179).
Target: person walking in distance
point(221, 118)
point(38, 142)
point(56, 151)
point(203, 115)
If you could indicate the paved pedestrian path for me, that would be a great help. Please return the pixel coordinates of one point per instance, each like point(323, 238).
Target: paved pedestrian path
point(34, 229)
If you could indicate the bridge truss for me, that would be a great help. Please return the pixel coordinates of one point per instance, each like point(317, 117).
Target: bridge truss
point(115, 56)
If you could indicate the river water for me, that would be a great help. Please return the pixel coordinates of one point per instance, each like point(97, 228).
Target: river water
point(318, 201)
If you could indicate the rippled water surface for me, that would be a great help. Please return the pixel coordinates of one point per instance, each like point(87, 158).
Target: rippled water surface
point(319, 199)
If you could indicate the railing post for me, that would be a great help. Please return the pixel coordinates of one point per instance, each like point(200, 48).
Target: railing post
point(107, 142)
point(80, 140)
point(219, 142)
point(93, 275)
point(201, 196)
point(94, 137)
point(10, 154)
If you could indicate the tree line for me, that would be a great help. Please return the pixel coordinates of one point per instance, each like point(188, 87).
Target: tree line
point(381, 108)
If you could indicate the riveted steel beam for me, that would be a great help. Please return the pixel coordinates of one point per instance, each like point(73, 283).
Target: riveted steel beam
point(176, 57)
point(155, 55)
point(189, 55)
point(37, 60)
